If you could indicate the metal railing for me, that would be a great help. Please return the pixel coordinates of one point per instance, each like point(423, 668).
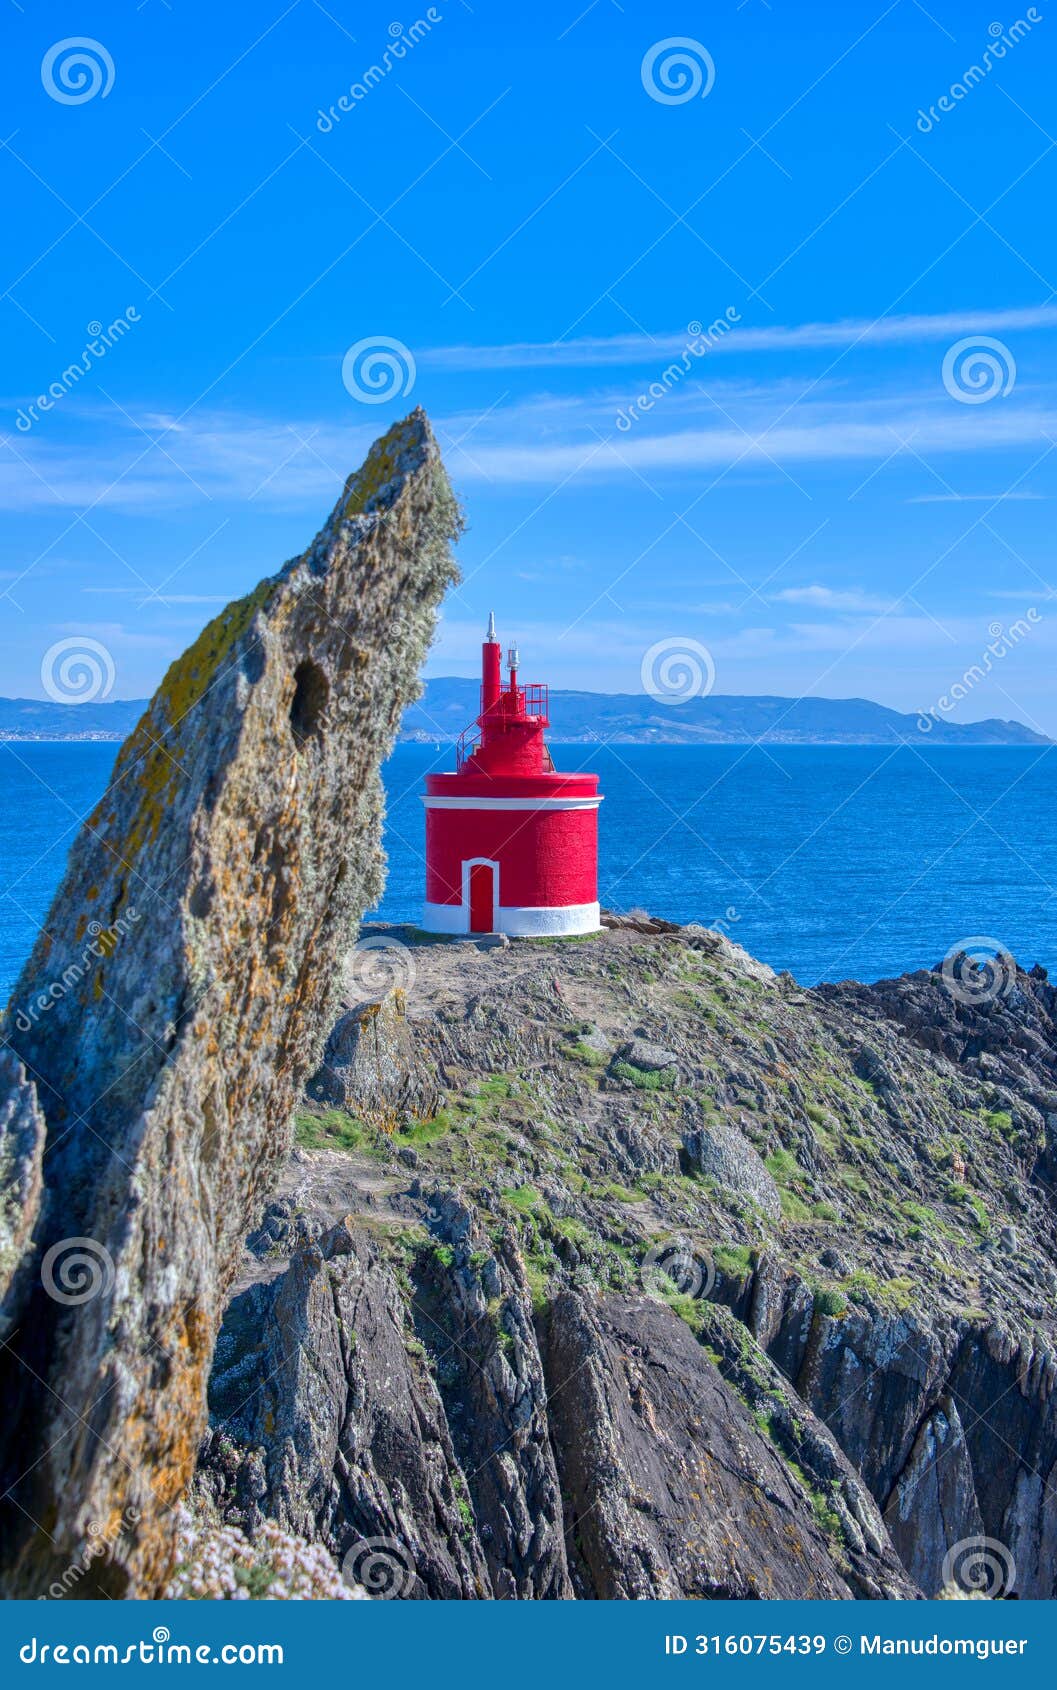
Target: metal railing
point(533, 702)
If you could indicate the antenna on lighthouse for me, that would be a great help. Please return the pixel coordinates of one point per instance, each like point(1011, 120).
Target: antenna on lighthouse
point(492, 637)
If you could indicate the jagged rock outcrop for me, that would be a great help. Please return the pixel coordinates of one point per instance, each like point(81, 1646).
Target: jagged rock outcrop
point(859, 1232)
point(315, 1374)
point(673, 1488)
point(21, 1180)
point(470, 1450)
point(719, 1151)
point(174, 1007)
point(369, 1064)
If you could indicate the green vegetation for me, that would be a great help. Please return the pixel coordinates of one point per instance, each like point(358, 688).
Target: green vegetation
point(824, 1212)
point(575, 1232)
point(783, 1167)
point(1000, 1121)
point(424, 1130)
point(925, 1223)
point(830, 1301)
point(793, 1207)
point(786, 1172)
point(645, 1079)
point(689, 1309)
point(854, 1182)
point(585, 1053)
point(257, 1580)
point(894, 1294)
point(561, 939)
point(620, 1193)
point(332, 1129)
point(525, 1198)
point(961, 1196)
point(733, 1260)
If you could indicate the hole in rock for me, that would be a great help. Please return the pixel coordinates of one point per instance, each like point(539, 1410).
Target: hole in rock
point(308, 708)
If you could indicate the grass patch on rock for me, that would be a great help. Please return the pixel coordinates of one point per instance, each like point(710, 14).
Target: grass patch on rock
point(331, 1129)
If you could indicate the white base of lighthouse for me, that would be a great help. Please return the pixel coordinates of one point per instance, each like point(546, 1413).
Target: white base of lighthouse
point(527, 923)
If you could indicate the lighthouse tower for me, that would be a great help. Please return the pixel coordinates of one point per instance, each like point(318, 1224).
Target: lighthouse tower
point(511, 844)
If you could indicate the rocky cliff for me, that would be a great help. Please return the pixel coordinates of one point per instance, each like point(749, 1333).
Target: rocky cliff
point(618, 1267)
point(625, 1268)
point(174, 1007)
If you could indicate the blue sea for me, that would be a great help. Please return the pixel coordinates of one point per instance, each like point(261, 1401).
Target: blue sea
point(833, 862)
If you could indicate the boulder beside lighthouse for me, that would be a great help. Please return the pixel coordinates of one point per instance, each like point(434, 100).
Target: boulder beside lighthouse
point(511, 844)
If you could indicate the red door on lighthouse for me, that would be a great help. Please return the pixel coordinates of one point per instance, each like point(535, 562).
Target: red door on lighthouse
point(482, 915)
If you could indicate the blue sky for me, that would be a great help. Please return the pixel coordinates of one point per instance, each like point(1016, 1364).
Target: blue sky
point(510, 203)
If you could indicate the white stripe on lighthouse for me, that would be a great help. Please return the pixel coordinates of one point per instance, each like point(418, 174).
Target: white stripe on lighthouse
point(526, 922)
point(511, 803)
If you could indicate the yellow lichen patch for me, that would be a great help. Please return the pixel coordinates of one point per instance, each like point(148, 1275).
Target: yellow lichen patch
point(188, 678)
point(153, 765)
point(379, 467)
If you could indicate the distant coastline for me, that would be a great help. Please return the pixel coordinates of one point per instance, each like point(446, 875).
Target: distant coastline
point(449, 703)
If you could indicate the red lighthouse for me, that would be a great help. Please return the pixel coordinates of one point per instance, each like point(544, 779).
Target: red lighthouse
point(511, 844)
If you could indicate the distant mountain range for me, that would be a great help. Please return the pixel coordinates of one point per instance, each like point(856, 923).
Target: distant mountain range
point(450, 703)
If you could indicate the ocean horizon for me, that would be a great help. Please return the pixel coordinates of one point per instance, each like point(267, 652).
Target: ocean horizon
point(833, 862)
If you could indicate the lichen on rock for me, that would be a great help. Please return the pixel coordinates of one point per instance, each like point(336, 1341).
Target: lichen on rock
point(177, 1001)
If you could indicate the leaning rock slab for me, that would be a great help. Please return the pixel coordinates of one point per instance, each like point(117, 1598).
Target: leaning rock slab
point(174, 1006)
point(370, 1066)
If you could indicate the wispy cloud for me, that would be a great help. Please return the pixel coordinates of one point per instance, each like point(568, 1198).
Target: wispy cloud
point(974, 498)
point(1034, 593)
point(160, 597)
point(830, 598)
point(630, 350)
point(262, 462)
point(798, 438)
